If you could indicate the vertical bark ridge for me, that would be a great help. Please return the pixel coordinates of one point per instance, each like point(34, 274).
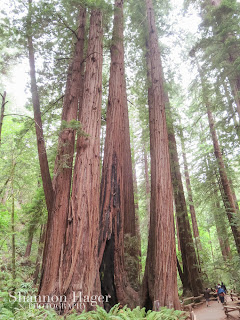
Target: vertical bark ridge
point(116, 199)
point(79, 267)
point(189, 257)
point(63, 165)
point(160, 278)
point(232, 207)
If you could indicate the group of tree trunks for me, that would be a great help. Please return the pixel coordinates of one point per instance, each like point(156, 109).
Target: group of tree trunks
point(89, 219)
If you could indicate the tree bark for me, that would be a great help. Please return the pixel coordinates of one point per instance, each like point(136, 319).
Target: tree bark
point(79, 266)
point(189, 257)
point(147, 182)
point(39, 254)
point(232, 210)
point(160, 278)
point(29, 242)
point(62, 180)
point(231, 110)
point(190, 200)
point(221, 231)
point(137, 219)
point(42, 154)
point(114, 206)
point(233, 55)
point(2, 113)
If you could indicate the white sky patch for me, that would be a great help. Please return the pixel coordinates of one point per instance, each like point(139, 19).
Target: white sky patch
point(15, 86)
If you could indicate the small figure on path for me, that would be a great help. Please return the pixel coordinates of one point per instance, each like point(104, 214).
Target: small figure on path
point(221, 294)
point(206, 295)
point(224, 287)
point(217, 288)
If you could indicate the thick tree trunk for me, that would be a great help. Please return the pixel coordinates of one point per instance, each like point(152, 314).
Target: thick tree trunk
point(79, 266)
point(147, 182)
point(190, 200)
point(39, 254)
point(189, 258)
point(113, 200)
point(133, 246)
point(232, 210)
point(160, 278)
point(2, 113)
point(221, 230)
point(42, 154)
point(189, 190)
point(63, 165)
point(182, 276)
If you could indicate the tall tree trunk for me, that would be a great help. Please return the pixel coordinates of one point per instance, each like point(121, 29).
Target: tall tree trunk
point(182, 276)
point(2, 113)
point(13, 227)
point(137, 219)
point(79, 266)
point(221, 230)
point(232, 211)
point(62, 180)
point(147, 182)
point(233, 55)
point(160, 278)
point(235, 91)
point(31, 230)
point(189, 190)
point(113, 198)
point(42, 154)
point(39, 254)
point(231, 111)
point(133, 246)
point(190, 200)
point(189, 257)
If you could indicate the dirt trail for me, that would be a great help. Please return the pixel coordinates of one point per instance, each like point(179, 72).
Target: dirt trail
point(214, 312)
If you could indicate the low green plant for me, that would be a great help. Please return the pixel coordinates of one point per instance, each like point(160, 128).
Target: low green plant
point(26, 312)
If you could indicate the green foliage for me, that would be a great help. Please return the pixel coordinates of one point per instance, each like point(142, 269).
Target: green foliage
point(136, 314)
point(74, 125)
point(132, 259)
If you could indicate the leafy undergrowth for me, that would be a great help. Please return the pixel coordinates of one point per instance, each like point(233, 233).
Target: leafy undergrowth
point(100, 314)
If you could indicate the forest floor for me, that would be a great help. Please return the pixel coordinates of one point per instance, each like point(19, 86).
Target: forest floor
point(214, 312)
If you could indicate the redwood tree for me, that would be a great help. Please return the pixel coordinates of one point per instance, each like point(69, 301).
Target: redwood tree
point(117, 211)
point(189, 257)
point(74, 258)
point(232, 207)
point(42, 153)
point(190, 198)
point(79, 266)
point(63, 164)
point(160, 278)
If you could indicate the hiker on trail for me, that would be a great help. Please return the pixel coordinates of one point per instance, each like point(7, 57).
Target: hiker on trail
point(206, 295)
point(224, 287)
point(221, 294)
point(217, 288)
